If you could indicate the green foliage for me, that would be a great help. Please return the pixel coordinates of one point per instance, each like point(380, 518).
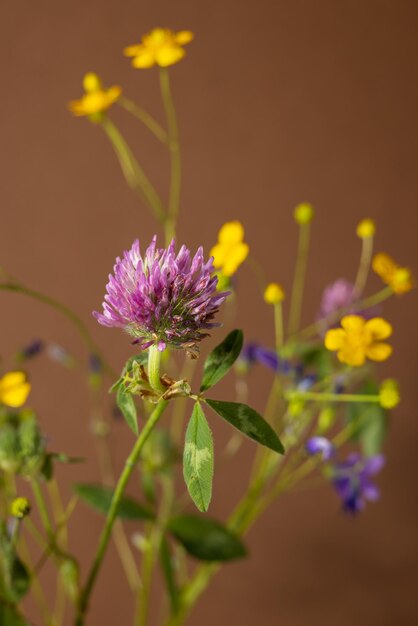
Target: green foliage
point(198, 459)
point(70, 577)
point(10, 617)
point(370, 421)
point(168, 568)
point(22, 446)
point(47, 468)
point(100, 498)
point(248, 422)
point(206, 539)
point(130, 366)
point(14, 575)
point(221, 359)
point(126, 403)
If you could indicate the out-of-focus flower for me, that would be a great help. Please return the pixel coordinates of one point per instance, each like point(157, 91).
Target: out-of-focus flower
point(254, 353)
point(326, 418)
point(231, 250)
point(304, 213)
point(322, 446)
point(31, 350)
point(96, 100)
point(352, 481)
point(14, 389)
point(359, 339)
point(389, 394)
point(161, 47)
point(338, 295)
point(162, 298)
point(273, 293)
point(366, 229)
point(398, 278)
point(60, 355)
point(20, 508)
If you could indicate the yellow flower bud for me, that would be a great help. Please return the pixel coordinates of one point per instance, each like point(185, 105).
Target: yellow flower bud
point(273, 293)
point(366, 229)
point(326, 419)
point(20, 507)
point(304, 213)
point(389, 394)
point(91, 82)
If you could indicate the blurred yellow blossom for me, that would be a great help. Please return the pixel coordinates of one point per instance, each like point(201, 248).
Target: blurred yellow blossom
point(366, 229)
point(20, 507)
point(389, 394)
point(273, 293)
point(161, 47)
point(96, 100)
point(304, 213)
point(358, 339)
point(14, 389)
point(398, 278)
point(231, 250)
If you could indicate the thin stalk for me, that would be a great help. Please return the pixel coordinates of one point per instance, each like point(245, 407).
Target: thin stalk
point(278, 326)
point(154, 361)
point(364, 266)
point(146, 118)
point(175, 155)
point(299, 279)
point(112, 513)
point(336, 397)
point(134, 174)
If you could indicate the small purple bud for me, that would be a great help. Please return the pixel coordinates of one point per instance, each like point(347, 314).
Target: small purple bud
point(322, 446)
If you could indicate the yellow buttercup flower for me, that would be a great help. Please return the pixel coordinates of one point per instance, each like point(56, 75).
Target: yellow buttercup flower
point(358, 339)
point(96, 99)
point(304, 213)
point(273, 293)
point(14, 389)
point(366, 229)
point(398, 278)
point(161, 47)
point(389, 394)
point(231, 250)
point(20, 508)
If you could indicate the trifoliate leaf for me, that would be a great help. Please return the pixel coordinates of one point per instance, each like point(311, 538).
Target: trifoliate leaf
point(100, 498)
point(198, 459)
point(221, 359)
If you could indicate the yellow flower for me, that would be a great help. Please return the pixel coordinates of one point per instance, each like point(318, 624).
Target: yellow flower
point(230, 251)
point(304, 213)
point(161, 47)
point(273, 293)
point(14, 389)
point(20, 507)
point(359, 339)
point(366, 229)
point(389, 394)
point(96, 100)
point(398, 278)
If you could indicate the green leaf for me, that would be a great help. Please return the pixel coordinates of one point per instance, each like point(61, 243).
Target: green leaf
point(9, 616)
point(370, 421)
point(100, 498)
point(198, 459)
point(126, 403)
point(139, 359)
point(168, 568)
point(249, 422)
point(221, 359)
point(206, 539)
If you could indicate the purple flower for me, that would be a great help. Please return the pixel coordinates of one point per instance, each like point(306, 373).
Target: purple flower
point(162, 298)
point(320, 445)
point(254, 353)
point(338, 295)
point(31, 350)
point(352, 481)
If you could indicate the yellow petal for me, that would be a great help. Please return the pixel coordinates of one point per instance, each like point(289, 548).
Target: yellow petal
point(183, 37)
point(379, 351)
point(133, 51)
point(379, 328)
point(168, 55)
point(157, 37)
point(334, 338)
point(352, 356)
point(234, 258)
point(231, 233)
point(145, 59)
point(402, 280)
point(384, 266)
point(219, 253)
point(14, 389)
point(352, 322)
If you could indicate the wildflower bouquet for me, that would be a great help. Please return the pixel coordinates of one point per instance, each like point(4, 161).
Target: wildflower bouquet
point(325, 416)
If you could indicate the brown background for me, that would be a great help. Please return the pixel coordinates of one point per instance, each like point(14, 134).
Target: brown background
point(279, 102)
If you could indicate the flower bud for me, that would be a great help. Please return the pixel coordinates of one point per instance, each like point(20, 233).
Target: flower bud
point(389, 394)
point(91, 82)
point(366, 229)
point(70, 578)
point(273, 293)
point(20, 508)
point(304, 213)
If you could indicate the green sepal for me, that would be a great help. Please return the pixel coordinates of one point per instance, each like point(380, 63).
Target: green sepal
point(206, 539)
point(221, 359)
point(198, 459)
point(100, 498)
point(248, 422)
point(126, 404)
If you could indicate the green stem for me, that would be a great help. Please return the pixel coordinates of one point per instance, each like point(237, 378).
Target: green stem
point(278, 326)
point(134, 174)
point(299, 279)
point(144, 117)
point(113, 510)
point(335, 397)
point(154, 361)
point(364, 267)
point(175, 155)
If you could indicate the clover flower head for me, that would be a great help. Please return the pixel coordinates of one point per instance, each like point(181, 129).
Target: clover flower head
point(231, 250)
point(358, 339)
point(161, 47)
point(96, 100)
point(14, 389)
point(352, 481)
point(399, 278)
point(162, 298)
